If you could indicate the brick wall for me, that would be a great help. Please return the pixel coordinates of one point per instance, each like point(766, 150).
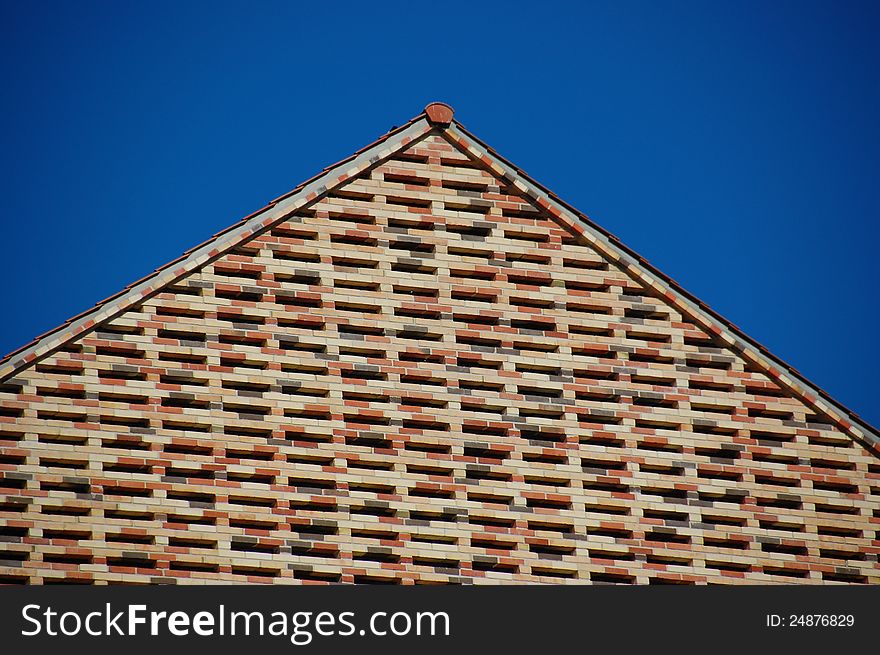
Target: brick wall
point(421, 378)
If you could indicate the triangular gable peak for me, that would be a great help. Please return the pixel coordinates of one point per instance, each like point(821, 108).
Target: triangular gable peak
point(421, 366)
point(437, 119)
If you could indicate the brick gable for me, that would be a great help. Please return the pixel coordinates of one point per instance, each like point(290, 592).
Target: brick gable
point(423, 374)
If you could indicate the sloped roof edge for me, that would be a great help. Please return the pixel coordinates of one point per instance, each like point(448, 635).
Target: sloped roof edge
point(276, 211)
point(686, 303)
point(333, 176)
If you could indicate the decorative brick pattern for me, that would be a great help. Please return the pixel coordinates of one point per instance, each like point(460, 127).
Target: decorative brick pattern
point(424, 375)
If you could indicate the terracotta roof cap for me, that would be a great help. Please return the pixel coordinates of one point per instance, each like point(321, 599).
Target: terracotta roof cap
point(439, 113)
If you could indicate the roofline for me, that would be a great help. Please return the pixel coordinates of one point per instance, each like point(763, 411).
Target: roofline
point(686, 303)
point(435, 116)
point(263, 219)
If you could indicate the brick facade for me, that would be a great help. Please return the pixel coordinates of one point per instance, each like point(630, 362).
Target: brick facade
point(422, 372)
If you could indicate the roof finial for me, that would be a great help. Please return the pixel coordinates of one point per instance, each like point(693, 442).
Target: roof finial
point(439, 113)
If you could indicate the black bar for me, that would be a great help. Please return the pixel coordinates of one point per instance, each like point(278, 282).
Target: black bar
point(502, 619)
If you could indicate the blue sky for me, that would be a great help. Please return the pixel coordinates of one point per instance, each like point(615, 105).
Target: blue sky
point(735, 145)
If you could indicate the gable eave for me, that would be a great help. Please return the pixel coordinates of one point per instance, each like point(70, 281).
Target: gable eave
point(689, 305)
point(397, 139)
point(263, 219)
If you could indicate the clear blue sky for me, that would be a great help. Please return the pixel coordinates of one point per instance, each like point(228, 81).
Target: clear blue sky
point(735, 145)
